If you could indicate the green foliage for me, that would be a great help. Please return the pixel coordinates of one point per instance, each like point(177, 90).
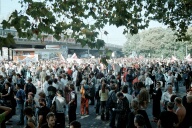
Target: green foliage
point(58, 16)
point(158, 42)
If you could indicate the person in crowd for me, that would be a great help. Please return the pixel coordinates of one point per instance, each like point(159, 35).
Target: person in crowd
point(187, 103)
point(64, 80)
point(169, 78)
point(78, 78)
point(84, 99)
point(139, 121)
point(28, 112)
point(51, 121)
point(159, 76)
point(180, 111)
point(137, 110)
point(69, 71)
point(166, 97)
point(56, 85)
point(30, 102)
point(129, 80)
point(103, 94)
point(176, 84)
point(1, 83)
point(20, 98)
point(97, 95)
point(14, 78)
point(3, 72)
point(28, 73)
point(75, 124)
point(92, 88)
point(20, 81)
point(74, 77)
point(168, 119)
point(122, 110)
point(42, 95)
point(125, 93)
point(42, 77)
point(37, 76)
point(111, 103)
point(60, 105)
point(143, 96)
point(7, 94)
point(45, 86)
point(29, 87)
point(42, 113)
point(72, 105)
point(156, 96)
point(51, 93)
point(149, 83)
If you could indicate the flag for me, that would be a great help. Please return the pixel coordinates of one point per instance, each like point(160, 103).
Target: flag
point(188, 56)
point(61, 57)
point(74, 56)
point(173, 58)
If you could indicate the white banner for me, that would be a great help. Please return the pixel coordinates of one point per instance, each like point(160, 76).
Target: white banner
point(52, 46)
point(5, 53)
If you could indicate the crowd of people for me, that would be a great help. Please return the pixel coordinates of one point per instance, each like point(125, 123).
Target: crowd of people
point(120, 92)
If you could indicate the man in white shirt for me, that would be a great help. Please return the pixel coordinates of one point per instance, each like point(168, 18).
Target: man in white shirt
point(60, 105)
point(166, 97)
point(64, 80)
point(74, 76)
point(45, 86)
point(169, 78)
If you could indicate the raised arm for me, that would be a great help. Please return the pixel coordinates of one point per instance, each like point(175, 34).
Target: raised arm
point(7, 110)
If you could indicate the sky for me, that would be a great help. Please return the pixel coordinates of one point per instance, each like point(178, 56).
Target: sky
point(115, 35)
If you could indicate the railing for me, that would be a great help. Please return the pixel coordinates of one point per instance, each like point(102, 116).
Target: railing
point(3, 33)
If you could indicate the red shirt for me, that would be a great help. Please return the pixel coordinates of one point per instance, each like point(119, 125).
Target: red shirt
point(69, 72)
point(124, 76)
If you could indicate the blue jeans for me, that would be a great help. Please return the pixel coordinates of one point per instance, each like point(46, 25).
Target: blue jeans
point(20, 107)
point(49, 102)
point(130, 88)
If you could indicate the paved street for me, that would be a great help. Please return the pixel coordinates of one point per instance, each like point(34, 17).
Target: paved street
point(91, 120)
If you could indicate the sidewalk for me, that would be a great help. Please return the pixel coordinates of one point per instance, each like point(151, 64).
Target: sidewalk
point(92, 120)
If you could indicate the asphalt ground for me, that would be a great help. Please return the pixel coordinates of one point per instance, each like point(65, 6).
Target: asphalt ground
point(92, 120)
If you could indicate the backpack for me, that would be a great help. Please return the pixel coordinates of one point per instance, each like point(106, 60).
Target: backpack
point(30, 88)
point(87, 93)
point(110, 103)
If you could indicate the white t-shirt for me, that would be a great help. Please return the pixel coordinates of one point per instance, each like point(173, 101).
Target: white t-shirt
point(60, 103)
point(45, 86)
point(103, 96)
point(129, 97)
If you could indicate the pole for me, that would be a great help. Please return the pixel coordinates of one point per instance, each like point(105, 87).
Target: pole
point(174, 50)
point(186, 49)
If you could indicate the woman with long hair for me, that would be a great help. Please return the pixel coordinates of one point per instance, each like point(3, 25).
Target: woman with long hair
point(137, 110)
point(103, 94)
point(84, 98)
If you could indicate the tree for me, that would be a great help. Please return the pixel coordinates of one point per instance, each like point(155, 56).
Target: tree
point(157, 42)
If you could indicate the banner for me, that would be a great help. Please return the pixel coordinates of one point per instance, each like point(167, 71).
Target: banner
point(5, 53)
point(52, 46)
